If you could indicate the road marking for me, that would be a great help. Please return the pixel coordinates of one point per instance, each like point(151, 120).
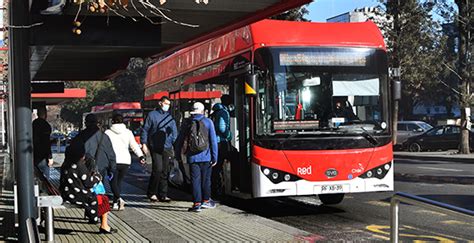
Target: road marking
point(381, 237)
point(380, 229)
point(442, 169)
point(379, 203)
point(430, 212)
point(456, 222)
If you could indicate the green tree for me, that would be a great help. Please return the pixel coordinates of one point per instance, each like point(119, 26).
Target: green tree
point(465, 26)
point(296, 14)
point(414, 42)
point(129, 85)
point(98, 93)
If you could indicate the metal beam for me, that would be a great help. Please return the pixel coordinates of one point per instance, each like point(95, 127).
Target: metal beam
point(19, 87)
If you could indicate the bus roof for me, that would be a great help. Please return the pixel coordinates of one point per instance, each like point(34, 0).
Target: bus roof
point(264, 33)
point(117, 106)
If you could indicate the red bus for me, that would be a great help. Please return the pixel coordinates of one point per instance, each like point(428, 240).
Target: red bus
point(289, 82)
point(131, 111)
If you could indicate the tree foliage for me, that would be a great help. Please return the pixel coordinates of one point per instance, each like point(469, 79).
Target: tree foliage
point(296, 14)
point(416, 45)
point(126, 87)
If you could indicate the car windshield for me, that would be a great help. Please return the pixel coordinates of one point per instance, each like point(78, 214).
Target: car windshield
point(323, 90)
point(425, 126)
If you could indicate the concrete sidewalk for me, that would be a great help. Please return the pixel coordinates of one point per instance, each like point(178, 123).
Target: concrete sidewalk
point(435, 167)
point(144, 221)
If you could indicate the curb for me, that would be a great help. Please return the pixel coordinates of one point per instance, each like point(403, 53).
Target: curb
point(438, 158)
point(463, 180)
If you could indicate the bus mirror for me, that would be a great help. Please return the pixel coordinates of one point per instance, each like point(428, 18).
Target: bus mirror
point(251, 84)
point(397, 89)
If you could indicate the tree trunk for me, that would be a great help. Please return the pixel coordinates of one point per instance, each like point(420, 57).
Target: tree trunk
point(464, 24)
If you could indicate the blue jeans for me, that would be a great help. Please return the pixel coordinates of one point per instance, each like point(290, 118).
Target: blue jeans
point(201, 181)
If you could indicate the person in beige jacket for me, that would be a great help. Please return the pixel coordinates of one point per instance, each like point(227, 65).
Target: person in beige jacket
point(122, 140)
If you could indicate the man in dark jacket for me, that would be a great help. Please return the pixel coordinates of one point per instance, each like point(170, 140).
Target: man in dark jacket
point(42, 156)
point(157, 138)
point(200, 163)
point(97, 142)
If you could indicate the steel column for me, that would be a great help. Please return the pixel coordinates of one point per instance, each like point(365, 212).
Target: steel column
point(19, 88)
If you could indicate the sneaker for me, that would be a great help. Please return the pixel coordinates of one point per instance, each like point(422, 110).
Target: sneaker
point(165, 199)
point(121, 204)
point(115, 206)
point(153, 198)
point(195, 208)
point(208, 204)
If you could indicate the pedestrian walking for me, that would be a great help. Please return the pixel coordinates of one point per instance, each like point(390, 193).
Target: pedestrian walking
point(42, 156)
point(122, 140)
point(98, 147)
point(158, 136)
point(198, 143)
point(221, 120)
point(76, 183)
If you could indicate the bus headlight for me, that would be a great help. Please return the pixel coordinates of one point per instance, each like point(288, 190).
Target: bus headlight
point(378, 172)
point(277, 176)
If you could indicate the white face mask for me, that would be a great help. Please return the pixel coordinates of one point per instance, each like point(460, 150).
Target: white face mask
point(165, 107)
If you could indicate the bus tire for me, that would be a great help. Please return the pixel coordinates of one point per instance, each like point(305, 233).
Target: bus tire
point(329, 199)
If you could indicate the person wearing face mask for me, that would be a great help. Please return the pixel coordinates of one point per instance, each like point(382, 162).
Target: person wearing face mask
point(158, 135)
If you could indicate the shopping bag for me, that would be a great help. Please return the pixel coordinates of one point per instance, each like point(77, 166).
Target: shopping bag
point(175, 176)
point(99, 188)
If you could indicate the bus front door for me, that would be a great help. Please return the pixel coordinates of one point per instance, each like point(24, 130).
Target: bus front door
point(240, 174)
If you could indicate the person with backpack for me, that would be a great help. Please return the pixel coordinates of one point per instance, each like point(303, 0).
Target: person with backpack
point(122, 140)
point(198, 142)
point(221, 119)
point(158, 135)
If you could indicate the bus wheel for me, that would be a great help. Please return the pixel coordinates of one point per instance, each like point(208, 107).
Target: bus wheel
point(329, 199)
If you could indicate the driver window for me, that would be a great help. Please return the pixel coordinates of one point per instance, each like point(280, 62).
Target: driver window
point(412, 127)
point(452, 130)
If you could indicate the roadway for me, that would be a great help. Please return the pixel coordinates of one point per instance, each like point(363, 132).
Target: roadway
point(365, 216)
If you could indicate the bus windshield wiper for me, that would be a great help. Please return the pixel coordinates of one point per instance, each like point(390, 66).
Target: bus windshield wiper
point(369, 137)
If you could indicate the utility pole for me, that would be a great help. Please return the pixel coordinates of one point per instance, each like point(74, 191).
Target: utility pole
point(464, 22)
point(20, 105)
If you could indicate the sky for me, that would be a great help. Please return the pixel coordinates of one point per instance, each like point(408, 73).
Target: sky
point(320, 10)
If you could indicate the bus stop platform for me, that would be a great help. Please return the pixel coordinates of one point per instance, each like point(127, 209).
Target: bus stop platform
point(145, 221)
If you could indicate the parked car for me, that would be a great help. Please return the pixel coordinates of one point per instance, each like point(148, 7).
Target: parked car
point(406, 129)
point(438, 138)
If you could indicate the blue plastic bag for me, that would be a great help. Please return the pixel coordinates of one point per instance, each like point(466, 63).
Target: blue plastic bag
point(99, 188)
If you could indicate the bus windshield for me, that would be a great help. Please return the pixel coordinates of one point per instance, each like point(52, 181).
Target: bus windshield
point(322, 90)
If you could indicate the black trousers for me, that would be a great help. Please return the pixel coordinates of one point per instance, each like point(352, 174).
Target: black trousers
point(217, 176)
point(158, 184)
point(116, 183)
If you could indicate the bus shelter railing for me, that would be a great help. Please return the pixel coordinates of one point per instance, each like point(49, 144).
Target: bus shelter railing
point(421, 202)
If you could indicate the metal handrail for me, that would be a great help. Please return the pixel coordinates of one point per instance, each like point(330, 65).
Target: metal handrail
point(422, 202)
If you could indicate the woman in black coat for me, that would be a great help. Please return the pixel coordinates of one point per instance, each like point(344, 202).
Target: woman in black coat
point(76, 184)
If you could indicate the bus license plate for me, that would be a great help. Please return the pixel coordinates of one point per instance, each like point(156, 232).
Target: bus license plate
point(332, 188)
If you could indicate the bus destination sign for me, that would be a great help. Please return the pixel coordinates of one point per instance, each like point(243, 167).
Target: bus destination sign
point(358, 59)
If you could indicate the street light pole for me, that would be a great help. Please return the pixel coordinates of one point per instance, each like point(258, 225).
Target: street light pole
point(20, 105)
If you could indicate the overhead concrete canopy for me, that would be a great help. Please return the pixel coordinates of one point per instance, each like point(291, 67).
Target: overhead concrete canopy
point(106, 43)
